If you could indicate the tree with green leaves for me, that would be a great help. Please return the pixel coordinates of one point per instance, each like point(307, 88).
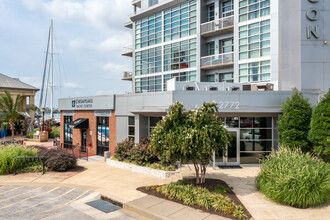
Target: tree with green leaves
point(10, 109)
point(319, 133)
point(190, 136)
point(166, 138)
point(294, 122)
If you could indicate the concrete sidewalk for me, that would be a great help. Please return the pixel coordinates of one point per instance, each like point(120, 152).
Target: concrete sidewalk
point(121, 185)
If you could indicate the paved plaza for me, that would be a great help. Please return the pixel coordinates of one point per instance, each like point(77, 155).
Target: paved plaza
point(120, 185)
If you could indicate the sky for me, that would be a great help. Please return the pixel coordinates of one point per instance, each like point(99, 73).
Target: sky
point(88, 39)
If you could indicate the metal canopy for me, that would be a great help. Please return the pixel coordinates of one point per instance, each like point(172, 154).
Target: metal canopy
point(79, 123)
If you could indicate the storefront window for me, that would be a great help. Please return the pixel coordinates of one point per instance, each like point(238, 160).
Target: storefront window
point(67, 132)
point(257, 137)
point(102, 135)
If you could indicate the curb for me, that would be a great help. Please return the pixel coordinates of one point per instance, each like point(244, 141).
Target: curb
point(143, 212)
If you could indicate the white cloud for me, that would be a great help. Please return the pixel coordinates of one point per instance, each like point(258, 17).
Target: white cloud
point(71, 85)
point(114, 69)
point(97, 13)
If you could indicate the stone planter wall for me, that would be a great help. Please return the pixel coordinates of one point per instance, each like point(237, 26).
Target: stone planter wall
point(139, 169)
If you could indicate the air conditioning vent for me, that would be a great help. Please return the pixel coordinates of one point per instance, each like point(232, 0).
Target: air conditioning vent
point(213, 88)
point(246, 87)
point(234, 88)
point(190, 88)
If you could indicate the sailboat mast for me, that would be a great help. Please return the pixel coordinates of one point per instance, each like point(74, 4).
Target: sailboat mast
point(45, 69)
point(52, 69)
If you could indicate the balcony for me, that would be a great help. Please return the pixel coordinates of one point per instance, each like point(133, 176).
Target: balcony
point(222, 25)
point(127, 51)
point(137, 3)
point(217, 61)
point(129, 24)
point(128, 75)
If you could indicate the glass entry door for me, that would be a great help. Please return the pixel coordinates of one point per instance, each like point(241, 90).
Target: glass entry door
point(231, 154)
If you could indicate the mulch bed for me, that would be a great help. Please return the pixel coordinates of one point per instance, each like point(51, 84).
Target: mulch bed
point(210, 184)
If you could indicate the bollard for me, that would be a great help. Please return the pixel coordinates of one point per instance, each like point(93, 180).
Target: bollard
point(106, 155)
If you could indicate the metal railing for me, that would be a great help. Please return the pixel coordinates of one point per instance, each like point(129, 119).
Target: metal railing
point(217, 60)
point(22, 162)
point(217, 24)
point(76, 150)
point(127, 74)
point(127, 49)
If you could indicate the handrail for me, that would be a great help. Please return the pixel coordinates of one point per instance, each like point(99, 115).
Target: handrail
point(127, 74)
point(217, 24)
point(21, 162)
point(224, 54)
point(217, 59)
point(127, 49)
point(74, 147)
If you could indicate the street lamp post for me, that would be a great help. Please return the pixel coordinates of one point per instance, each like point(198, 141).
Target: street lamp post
point(43, 119)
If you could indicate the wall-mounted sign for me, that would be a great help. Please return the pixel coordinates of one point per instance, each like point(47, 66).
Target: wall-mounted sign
point(312, 14)
point(102, 113)
point(230, 105)
point(82, 103)
point(105, 102)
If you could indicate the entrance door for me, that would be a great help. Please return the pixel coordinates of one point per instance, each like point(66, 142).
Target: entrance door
point(83, 137)
point(231, 155)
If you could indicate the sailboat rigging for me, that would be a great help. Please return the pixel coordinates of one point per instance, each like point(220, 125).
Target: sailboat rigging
point(50, 77)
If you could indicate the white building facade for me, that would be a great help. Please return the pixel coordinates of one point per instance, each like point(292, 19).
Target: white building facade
point(246, 55)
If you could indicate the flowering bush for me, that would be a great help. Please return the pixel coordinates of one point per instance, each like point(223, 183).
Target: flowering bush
point(139, 153)
point(48, 129)
point(50, 122)
point(123, 149)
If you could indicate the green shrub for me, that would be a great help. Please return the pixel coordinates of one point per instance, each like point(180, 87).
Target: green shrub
point(59, 160)
point(291, 177)
point(141, 153)
point(220, 190)
point(294, 122)
point(192, 195)
point(8, 153)
point(319, 133)
point(29, 135)
point(55, 132)
point(123, 149)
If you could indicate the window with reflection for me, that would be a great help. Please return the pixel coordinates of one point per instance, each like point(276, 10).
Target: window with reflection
point(153, 122)
point(102, 135)
point(131, 127)
point(67, 132)
point(258, 136)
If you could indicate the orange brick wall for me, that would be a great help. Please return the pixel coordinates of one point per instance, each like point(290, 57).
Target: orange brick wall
point(92, 128)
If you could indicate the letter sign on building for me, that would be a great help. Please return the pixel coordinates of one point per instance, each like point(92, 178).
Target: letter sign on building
point(312, 14)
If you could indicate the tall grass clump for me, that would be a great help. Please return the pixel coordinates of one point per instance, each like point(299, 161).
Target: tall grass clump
point(293, 178)
point(8, 153)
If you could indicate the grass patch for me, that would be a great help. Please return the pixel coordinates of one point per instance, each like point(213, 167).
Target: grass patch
point(8, 153)
point(296, 179)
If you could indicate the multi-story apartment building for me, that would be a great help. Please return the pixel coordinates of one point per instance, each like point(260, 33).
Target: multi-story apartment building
point(240, 41)
point(246, 55)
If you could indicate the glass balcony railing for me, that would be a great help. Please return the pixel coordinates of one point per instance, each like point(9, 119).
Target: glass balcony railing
point(217, 60)
point(127, 75)
point(217, 25)
point(127, 51)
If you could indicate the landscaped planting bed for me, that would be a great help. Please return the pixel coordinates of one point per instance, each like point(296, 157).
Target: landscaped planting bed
point(214, 197)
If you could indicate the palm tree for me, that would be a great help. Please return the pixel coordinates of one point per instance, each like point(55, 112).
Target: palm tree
point(10, 109)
